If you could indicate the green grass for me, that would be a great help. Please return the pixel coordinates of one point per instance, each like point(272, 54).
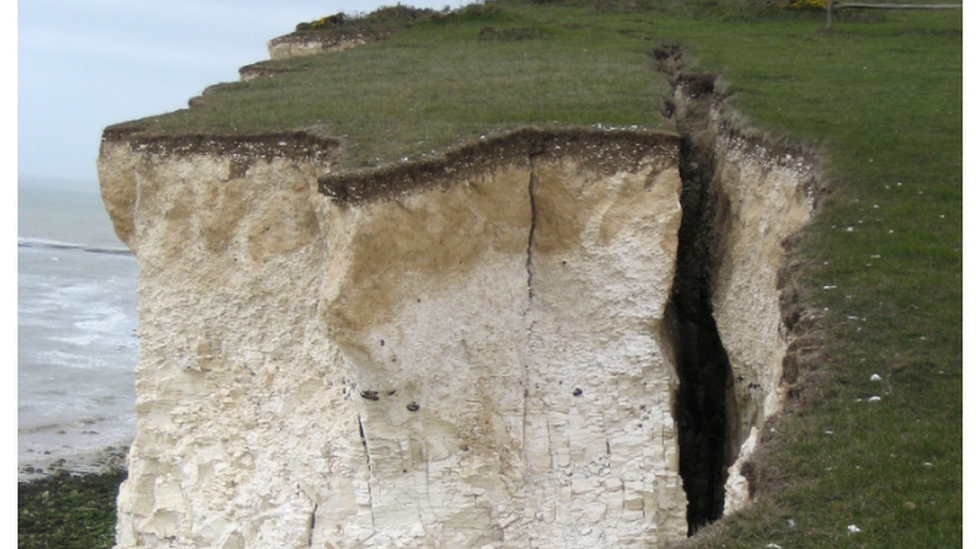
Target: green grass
point(881, 96)
point(442, 82)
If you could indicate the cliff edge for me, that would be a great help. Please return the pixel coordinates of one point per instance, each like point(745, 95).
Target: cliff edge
point(499, 346)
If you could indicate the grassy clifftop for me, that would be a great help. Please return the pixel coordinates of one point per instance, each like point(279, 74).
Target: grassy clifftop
point(449, 79)
point(881, 96)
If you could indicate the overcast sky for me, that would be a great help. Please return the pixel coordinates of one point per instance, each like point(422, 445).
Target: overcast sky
point(86, 64)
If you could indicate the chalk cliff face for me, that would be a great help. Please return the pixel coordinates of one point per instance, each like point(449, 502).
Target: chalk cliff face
point(766, 195)
point(477, 357)
point(475, 351)
point(297, 44)
point(238, 392)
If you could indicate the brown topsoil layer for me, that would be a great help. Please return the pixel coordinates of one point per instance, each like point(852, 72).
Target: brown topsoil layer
point(604, 151)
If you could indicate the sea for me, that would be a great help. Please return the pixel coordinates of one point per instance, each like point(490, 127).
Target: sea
point(77, 345)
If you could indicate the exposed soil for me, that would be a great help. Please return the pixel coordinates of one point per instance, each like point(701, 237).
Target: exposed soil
point(604, 151)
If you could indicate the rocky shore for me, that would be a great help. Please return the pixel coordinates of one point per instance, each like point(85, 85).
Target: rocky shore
point(47, 465)
point(68, 510)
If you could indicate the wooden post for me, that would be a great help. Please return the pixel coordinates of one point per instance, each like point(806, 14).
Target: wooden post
point(863, 6)
point(859, 5)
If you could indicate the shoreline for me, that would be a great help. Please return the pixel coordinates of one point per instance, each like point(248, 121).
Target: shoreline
point(48, 465)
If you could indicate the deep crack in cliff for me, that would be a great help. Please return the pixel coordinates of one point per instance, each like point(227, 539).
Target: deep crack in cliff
point(705, 404)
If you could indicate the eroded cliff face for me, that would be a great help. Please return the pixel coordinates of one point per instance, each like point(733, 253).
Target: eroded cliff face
point(477, 351)
point(299, 44)
point(236, 390)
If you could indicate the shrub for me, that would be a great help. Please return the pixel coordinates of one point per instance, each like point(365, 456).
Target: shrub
point(817, 5)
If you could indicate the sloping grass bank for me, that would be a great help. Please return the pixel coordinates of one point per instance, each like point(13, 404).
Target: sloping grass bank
point(882, 262)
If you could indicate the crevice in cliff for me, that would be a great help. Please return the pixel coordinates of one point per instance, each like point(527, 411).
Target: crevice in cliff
point(311, 525)
point(526, 374)
point(362, 437)
point(369, 468)
point(704, 403)
point(528, 249)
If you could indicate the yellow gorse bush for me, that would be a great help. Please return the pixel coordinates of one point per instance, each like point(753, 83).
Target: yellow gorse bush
point(808, 4)
point(329, 21)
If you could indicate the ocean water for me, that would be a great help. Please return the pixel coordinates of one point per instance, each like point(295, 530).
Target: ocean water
point(77, 346)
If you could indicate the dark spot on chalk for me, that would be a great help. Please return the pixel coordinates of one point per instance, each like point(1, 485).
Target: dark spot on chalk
point(578, 392)
point(413, 406)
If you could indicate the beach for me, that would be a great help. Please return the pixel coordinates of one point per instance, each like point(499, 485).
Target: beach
point(77, 338)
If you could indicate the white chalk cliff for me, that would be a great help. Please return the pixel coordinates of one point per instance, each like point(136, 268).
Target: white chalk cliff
point(475, 351)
